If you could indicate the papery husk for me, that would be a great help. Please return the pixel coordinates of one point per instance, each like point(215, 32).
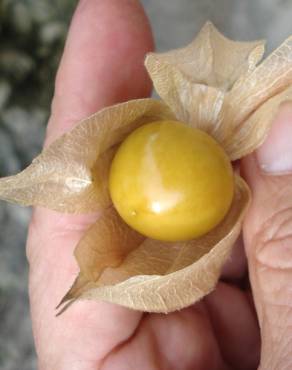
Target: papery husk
point(210, 59)
point(71, 175)
point(157, 276)
point(215, 84)
point(257, 126)
point(106, 244)
point(193, 80)
point(246, 117)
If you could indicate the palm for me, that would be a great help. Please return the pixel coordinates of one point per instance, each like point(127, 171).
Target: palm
point(213, 334)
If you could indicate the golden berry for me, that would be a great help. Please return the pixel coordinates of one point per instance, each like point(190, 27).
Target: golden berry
point(171, 182)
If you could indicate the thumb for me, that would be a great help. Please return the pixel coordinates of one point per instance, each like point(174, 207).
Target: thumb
point(268, 240)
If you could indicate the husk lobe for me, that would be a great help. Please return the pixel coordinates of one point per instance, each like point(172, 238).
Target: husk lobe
point(162, 277)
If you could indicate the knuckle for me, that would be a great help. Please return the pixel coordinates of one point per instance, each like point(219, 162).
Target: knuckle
point(272, 259)
point(273, 242)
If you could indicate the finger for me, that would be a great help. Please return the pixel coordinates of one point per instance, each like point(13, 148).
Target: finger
point(180, 340)
point(267, 235)
point(102, 64)
point(234, 270)
point(103, 61)
point(235, 326)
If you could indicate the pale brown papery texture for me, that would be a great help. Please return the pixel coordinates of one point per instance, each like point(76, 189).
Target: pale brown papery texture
point(213, 84)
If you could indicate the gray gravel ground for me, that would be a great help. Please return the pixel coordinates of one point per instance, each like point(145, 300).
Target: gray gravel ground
point(175, 22)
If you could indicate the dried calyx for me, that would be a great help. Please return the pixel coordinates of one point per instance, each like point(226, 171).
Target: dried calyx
point(215, 85)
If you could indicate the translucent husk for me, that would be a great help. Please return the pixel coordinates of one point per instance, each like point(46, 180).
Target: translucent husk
point(71, 175)
point(213, 84)
point(150, 275)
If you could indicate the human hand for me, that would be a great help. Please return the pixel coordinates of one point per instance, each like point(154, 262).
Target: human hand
point(103, 64)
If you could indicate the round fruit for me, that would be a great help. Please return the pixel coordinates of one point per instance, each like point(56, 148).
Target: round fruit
point(171, 182)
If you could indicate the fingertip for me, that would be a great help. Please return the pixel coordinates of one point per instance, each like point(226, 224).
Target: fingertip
point(103, 61)
point(274, 157)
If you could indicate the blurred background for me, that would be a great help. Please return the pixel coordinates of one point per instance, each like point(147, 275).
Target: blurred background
point(32, 34)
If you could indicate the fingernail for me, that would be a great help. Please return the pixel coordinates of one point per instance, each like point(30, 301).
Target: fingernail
point(275, 155)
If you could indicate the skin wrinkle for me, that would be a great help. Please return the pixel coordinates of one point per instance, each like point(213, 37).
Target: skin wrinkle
point(158, 352)
point(263, 200)
point(267, 236)
point(275, 318)
point(265, 305)
point(286, 349)
point(123, 343)
point(132, 338)
point(275, 356)
point(162, 361)
point(269, 264)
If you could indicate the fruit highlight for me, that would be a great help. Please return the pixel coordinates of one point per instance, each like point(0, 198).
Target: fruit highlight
point(171, 182)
